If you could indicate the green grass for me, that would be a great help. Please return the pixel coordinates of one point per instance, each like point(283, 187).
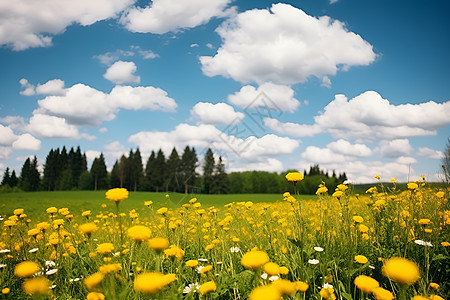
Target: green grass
point(35, 203)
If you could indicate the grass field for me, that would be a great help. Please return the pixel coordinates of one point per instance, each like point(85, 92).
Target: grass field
point(78, 201)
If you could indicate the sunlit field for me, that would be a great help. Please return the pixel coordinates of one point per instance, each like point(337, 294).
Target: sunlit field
point(381, 244)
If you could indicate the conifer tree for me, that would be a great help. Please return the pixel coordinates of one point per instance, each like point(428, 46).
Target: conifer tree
point(99, 173)
point(208, 171)
point(6, 177)
point(160, 171)
point(220, 179)
point(172, 168)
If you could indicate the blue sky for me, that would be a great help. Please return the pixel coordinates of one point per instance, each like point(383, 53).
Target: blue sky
point(354, 86)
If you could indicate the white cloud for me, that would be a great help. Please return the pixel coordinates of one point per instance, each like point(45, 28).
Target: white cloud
point(52, 87)
point(292, 129)
point(273, 96)
point(27, 88)
point(345, 148)
point(333, 1)
point(109, 58)
point(54, 127)
point(5, 152)
point(13, 122)
point(27, 142)
point(194, 45)
point(369, 117)
point(90, 156)
point(252, 150)
point(7, 136)
point(216, 114)
point(267, 164)
point(322, 156)
point(26, 24)
point(103, 130)
point(430, 153)
point(284, 45)
point(114, 151)
point(394, 148)
point(83, 105)
point(122, 72)
point(172, 16)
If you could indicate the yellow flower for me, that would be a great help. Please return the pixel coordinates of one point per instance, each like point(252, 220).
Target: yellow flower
point(33, 231)
point(162, 211)
point(93, 280)
point(86, 213)
point(377, 177)
point(436, 297)
point(139, 233)
point(381, 294)
point(440, 194)
point(358, 219)
point(149, 283)
point(95, 296)
point(366, 283)
point(52, 210)
point(401, 270)
point(206, 269)
point(37, 285)
point(117, 194)
point(6, 291)
point(43, 226)
point(363, 228)
point(174, 251)
point(321, 190)
point(424, 221)
point(337, 194)
point(18, 211)
point(434, 285)
point(158, 243)
point(284, 270)
point(271, 268)
point(191, 263)
point(419, 298)
point(26, 269)
point(58, 222)
point(148, 203)
point(301, 286)
point(207, 287)
point(267, 292)
point(105, 248)
point(87, 228)
point(412, 186)
point(361, 259)
point(445, 244)
point(254, 259)
point(393, 180)
point(327, 293)
point(285, 287)
point(294, 176)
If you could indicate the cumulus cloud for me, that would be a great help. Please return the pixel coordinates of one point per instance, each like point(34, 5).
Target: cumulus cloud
point(172, 16)
point(51, 87)
point(253, 150)
point(27, 142)
point(284, 45)
point(430, 153)
point(26, 24)
point(215, 114)
point(369, 117)
point(394, 148)
point(54, 127)
point(272, 96)
point(7, 136)
point(346, 148)
point(109, 58)
point(5, 152)
point(122, 72)
point(292, 129)
point(266, 164)
point(27, 88)
point(14, 122)
point(83, 105)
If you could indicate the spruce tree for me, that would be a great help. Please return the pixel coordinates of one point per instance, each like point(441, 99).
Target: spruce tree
point(172, 168)
point(208, 171)
point(160, 170)
point(150, 172)
point(99, 173)
point(188, 164)
point(220, 179)
point(13, 180)
point(6, 177)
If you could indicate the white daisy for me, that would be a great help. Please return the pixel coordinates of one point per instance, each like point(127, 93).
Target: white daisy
point(313, 261)
point(318, 249)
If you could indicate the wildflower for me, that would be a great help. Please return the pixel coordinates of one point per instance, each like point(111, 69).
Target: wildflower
point(401, 270)
point(377, 177)
point(88, 228)
point(191, 263)
point(342, 187)
point(412, 186)
point(94, 280)
point(361, 259)
point(33, 250)
point(207, 287)
point(95, 296)
point(363, 228)
point(254, 259)
point(436, 297)
point(445, 244)
point(139, 233)
point(148, 203)
point(318, 249)
point(284, 271)
point(36, 286)
point(366, 283)
point(26, 269)
point(203, 270)
point(285, 287)
point(6, 291)
point(162, 211)
point(321, 190)
point(271, 268)
point(381, 294)
point(423, 243)
point(434, 285)
point(105, 248)
point(327, 293)
point(192, 287)
point(43, 225)
point(301, 286)
point(86, 213)
point(117, 194)
point(234, 249)
point(313, 261)
point(150, 283)
point(393, 180)
point(52, 210)
point(440, 194)
point(267, 292)
point(337, 194)
point(51, 272)
point(419, 298)
point(358, 219)
point(18, 211)
point(424, 221)
point(174, 251)
point(294, 176)
point(158, 243)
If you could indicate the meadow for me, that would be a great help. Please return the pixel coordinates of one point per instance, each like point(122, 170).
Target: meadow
point(385, 243)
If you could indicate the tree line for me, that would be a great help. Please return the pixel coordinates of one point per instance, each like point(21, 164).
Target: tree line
point(68, 170)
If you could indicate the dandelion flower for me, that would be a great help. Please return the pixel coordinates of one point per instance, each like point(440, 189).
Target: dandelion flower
point(117, 195)
point(366, 283)
point(382, 294)
point(285, 287)
point(358, 219)
point(87, 228)
point(36, 286)
point(271, 268)
point(440, 194)
point(191, 263)
point(162, 211)
point(434, 285)
point(321, 190)
point(139, 233)
point(207, 287)
point(361, 259)
point(94, 280)
point(254, 259)
point(424, 221)
point(158, 243)
point(267, 292)
point(412, 186)
point(95, 296)
point(174, 251)
point(149, 283)
point(105, 248)
point(301, 286)
point(6, 291)
point(26, 269)
point(401, 270)
point(294, 176)
point(52, 210)
point(284, 270)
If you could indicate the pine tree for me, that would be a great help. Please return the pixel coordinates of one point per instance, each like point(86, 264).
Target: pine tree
point(114, 180)
point(188, 164)
point(6, 177)
point(150, 172)
point(13, 180)
point(99, 173)
point(220, 179)
point(172, 168)
point(208, 171)
point(35, 176)
point(160, 171)
point(52, 169)
point(137, 172)
point(29, 179)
